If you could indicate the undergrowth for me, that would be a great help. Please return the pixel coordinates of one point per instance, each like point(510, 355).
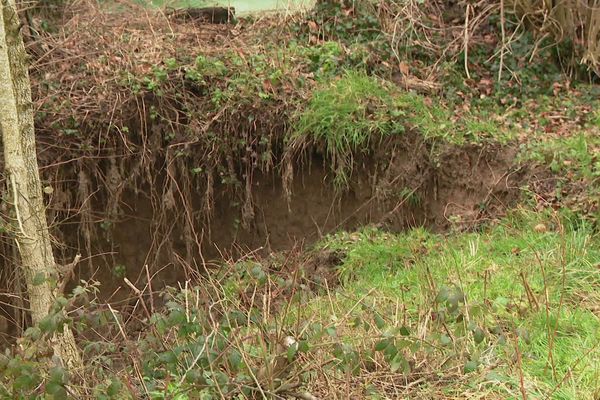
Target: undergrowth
point(574, 163)
point(503, 313)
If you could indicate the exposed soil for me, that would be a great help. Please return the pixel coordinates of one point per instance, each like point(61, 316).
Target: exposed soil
point(406, 182)
point(400, 186)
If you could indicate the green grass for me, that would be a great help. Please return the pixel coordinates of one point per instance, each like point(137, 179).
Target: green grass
point(558, 265)
point(576, 154)
point(574, 162)
point(346, 116)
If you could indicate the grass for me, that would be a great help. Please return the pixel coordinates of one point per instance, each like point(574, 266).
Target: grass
point(573, 160)
point(346, 115)
point(576, 155)
point(557, 323)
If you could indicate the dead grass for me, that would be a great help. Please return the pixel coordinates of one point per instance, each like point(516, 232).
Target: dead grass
point(84, 63)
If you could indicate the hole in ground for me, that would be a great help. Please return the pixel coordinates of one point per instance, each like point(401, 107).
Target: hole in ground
point(398, 187)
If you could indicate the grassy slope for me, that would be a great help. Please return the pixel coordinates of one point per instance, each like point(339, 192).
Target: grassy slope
point(559, 266)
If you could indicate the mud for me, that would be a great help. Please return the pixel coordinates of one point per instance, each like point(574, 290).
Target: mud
point(401, 186)
point(405, 183)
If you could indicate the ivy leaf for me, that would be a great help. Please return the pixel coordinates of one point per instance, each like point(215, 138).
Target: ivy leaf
point(24, 382)
point(442, 295)
point(390, 352)
point(235, 359)
point(403, 343)
point(303, 346)
point(291, 352)
point(478, 335)
point(524, 335)
point(114, 388)
point(399, 362)
point(58, 375)
point(39, 279)
point(382, 344)
point(168, 357)
point(48, 324)
point(379, 321)
point(34, 333)
point(57, 391)
point(453, 302)
point(445, 340)
point(470, 366)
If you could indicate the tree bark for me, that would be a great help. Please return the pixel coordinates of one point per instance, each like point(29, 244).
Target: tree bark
point(23, 180)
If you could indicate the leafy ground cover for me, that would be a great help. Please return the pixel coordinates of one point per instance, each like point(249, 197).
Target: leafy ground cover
point(505, 312)
point(506, 309)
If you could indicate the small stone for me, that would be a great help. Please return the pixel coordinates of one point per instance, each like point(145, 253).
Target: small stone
point(540, 228)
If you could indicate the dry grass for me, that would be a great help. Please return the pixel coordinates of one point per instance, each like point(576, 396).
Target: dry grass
point(571, 20)
point(85, 65)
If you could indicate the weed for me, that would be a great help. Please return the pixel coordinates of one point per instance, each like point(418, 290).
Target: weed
point(335, 21)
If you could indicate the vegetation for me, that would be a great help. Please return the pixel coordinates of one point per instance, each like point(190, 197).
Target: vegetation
point(345, 117)
point(494, 313)
point(571, 24)
point(463, 121)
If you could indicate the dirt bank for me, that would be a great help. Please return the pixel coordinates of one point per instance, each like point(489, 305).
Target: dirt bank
point(405, 183)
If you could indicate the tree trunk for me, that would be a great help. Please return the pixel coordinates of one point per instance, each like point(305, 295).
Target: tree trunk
point(23, 181)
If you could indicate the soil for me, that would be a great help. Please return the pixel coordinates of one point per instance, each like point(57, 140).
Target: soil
point(405, 182)
point(400, 186)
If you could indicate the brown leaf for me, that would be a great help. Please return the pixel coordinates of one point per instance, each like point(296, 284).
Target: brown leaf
point(267, 86)
point(312, 26)
point(404, 68)
point(348, 12)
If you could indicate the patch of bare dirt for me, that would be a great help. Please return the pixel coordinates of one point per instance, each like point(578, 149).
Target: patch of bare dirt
point(400, 186)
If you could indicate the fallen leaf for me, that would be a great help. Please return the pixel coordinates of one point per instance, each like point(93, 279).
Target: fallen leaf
point(404, 68)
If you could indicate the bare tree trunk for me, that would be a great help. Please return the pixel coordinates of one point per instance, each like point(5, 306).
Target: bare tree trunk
point(22, 177)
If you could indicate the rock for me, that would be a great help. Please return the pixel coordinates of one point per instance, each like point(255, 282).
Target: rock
point(212, 15)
